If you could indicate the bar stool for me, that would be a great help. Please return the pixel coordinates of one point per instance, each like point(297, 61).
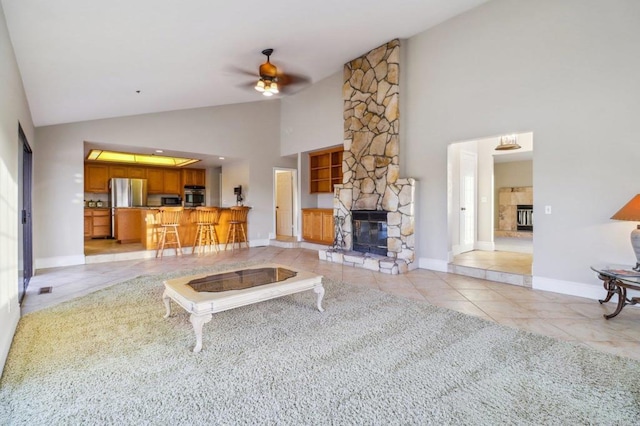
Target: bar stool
point(206, 219)
point(237, 226)
point(169, 223)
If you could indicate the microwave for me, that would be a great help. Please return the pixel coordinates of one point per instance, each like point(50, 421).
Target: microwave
point(194, 196)
point(170, 201)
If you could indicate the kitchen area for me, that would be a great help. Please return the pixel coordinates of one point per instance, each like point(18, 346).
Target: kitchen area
point(122, 201)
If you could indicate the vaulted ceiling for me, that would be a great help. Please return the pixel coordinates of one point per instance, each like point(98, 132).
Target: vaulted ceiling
point(83, 60)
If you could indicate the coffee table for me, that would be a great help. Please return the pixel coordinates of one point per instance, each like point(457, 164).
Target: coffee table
point(205, 294)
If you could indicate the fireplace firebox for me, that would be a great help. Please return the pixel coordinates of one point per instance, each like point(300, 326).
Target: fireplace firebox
point(370, 231)
point(524, 219)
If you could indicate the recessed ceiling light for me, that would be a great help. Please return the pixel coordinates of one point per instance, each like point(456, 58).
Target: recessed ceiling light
point(220, 158)
point(159, 151)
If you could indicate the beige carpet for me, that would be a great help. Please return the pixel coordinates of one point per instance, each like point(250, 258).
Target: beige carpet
point(370, 358)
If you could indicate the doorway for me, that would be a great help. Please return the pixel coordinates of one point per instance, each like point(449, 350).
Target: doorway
point(285, 196)
point(482, 246)
point(25, 237)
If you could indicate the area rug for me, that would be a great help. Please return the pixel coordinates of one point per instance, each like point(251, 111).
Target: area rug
point(370, 358)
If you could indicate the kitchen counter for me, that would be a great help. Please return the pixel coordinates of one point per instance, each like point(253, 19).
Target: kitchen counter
point(187, 230)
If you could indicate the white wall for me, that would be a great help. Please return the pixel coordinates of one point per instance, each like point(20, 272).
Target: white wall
point(13, 110)
point(249, 131)
point(233, 175)
point(566, 71)
point(311, 120)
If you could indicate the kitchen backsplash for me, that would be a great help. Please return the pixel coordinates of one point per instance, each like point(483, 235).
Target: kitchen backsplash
point(103, 198)
point(153, 200)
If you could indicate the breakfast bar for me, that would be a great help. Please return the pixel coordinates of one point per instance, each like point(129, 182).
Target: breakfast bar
point(150, 220)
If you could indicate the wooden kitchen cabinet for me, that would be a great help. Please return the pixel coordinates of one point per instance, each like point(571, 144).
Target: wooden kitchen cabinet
point(159, 180)
point(172, 181)
point(193, 177)
point(317, 226)
point(134, 172)
point(155, 181)
point(96, 178)
point(88, 223)
point(164, 181)
point(325, 169)
point(97, 223)
point(118, 172)
point(127, 227)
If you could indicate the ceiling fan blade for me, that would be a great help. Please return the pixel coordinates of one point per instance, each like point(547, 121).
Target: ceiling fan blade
point(238, 70)
point(293, 79)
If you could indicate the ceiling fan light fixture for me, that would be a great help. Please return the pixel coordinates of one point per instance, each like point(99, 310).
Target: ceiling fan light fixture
point(274, 87)
point(260, 86)
point(267, 93)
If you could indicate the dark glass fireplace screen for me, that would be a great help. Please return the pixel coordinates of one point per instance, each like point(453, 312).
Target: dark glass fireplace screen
point(370, 231)
point(524, 220)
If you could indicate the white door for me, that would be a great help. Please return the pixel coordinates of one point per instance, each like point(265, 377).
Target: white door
point(284, 203)
point(468, 167)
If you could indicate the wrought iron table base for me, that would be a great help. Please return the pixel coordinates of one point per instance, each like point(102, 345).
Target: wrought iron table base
point(615, 286)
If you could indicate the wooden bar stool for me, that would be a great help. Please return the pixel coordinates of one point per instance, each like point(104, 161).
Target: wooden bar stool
point(206, 219)
point(237, 224)
point(169, 223)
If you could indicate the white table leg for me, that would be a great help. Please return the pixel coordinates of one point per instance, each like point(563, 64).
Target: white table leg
point(167, 304)
point(198, 321)
point(320, 290)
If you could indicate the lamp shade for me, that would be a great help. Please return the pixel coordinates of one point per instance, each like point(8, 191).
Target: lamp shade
point(630, 211)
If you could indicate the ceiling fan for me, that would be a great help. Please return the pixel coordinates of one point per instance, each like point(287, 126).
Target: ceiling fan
point(272, 81)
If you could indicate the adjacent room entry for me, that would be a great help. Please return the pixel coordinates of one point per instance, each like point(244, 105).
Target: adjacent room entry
point(25, 240)
point(284, 202)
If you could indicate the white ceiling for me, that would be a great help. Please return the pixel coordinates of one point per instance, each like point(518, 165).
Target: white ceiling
point(83, 60)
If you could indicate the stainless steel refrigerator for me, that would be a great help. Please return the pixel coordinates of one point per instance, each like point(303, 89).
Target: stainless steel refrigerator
point(126, 193)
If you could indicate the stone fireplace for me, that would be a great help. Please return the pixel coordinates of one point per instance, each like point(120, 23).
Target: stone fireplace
point(370, 164)
point(515, 212)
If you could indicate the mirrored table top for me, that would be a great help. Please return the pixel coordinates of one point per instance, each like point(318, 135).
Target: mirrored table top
point(238, 280)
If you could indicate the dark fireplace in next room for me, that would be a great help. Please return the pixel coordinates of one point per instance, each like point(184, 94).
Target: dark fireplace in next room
point(524, 218)
point(370, 231)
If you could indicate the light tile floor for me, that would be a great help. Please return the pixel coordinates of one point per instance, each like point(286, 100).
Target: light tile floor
point(503, 261)
point(568, 318)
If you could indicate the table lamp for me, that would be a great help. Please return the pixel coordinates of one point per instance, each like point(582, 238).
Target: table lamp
point(631, 211)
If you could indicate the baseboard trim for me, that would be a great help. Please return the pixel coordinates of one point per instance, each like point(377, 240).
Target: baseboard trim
point(258, 243)
point(54, 262)
point(485, 245)
point(433, 264)
point(313, 246)
point(514, 248)
point(571, 288)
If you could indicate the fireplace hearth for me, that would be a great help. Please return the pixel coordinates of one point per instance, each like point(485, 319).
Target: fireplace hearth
point(370, 231)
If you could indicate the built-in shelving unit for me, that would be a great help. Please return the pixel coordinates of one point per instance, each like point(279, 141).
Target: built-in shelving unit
point(325, 169)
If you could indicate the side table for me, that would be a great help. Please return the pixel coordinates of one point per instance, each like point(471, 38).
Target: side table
point(617, 279)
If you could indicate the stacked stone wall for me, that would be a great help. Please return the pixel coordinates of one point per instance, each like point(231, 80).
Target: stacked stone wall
point(371, 153)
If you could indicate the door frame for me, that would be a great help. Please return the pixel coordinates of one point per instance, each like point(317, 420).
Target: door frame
point(25, 217)
point(295, 215)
